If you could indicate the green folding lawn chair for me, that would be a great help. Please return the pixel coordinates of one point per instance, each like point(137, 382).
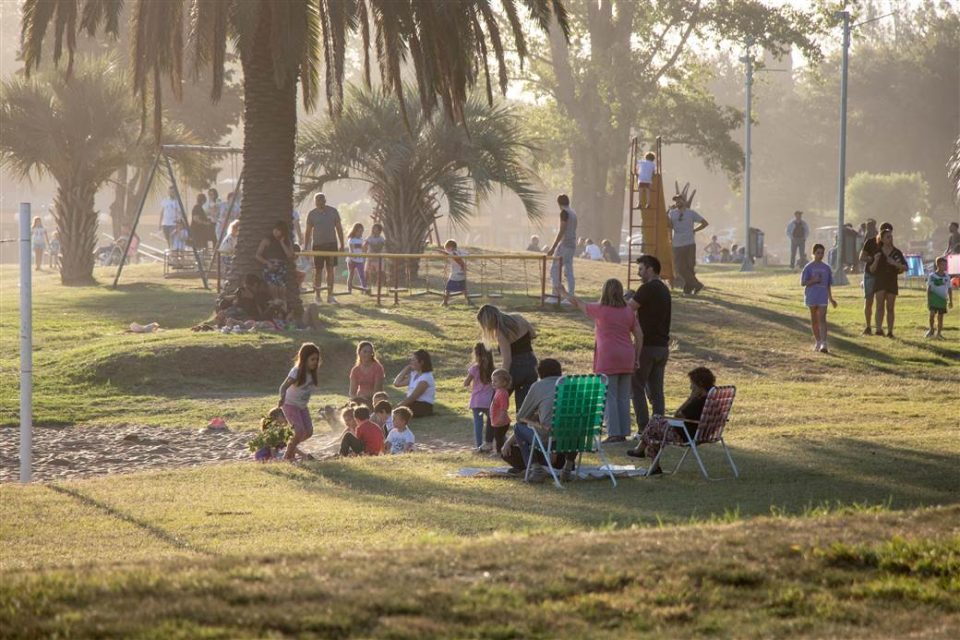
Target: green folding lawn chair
point(577, 421)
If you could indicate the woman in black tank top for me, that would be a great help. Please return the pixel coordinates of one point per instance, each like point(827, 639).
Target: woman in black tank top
point(513, 335)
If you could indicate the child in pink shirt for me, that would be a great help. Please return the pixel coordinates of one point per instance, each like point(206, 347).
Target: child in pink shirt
point(481, 395)
point(500, 407)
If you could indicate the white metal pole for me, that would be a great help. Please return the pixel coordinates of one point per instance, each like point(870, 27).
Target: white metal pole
point(839, 277)
point(26, 345)
point(747, 264)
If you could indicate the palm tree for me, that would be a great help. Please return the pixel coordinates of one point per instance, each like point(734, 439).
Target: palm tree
point(409, 171)
point(281, 43)
point(78, 132)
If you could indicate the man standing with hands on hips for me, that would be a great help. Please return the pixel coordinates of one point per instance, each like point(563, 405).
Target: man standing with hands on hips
point(685, 223)
point(325, 232)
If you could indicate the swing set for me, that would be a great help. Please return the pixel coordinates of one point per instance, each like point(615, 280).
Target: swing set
point(491, 268)
point(163, 158)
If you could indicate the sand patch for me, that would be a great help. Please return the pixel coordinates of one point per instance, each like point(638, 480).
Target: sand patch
point(61, 453)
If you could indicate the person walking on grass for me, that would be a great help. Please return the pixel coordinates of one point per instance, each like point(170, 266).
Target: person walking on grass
point(170, 214)
point(797, 233)
point(457, 280)
point(324, 233)
point(867, 253)
point(887, 265)
point(295, 394)
point(617, 353)
point(39, 241)
point(564, 247)
point(355, 266)
point(653, 306)
point(817, 280)
point(939, 291)
point(685, 223)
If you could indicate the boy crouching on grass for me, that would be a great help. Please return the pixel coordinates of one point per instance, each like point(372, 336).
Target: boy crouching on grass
point(400, 439)
point(367, 440)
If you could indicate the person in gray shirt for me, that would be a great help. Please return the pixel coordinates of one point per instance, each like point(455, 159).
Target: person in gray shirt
point(564, 247)
point(324, 233)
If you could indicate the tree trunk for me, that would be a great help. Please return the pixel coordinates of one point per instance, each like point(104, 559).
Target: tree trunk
point(77, 224)
point(269, 147)
point(118, 208)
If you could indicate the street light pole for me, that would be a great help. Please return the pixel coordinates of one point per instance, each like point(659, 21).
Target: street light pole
point(747, 264)
point(839, 276)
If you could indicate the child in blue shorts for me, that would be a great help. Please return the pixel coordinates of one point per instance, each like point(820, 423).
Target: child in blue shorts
point(817, 280)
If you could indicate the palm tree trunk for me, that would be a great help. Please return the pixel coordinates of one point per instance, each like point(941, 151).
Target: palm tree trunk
point(77, 224)
point(269, 146)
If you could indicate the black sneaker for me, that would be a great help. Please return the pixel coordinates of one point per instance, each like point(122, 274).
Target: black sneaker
point(636, 453)
point(614, 439)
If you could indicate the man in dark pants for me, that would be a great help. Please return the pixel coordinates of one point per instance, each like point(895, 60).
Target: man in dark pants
point(652, 304)
point(685, 223)
point(797, 232)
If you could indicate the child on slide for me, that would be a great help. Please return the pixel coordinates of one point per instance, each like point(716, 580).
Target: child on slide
point(295, 396)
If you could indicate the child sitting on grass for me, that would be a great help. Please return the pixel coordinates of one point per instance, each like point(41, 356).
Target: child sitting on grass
point(383, 416)
point(400, 439)
point(366, 440)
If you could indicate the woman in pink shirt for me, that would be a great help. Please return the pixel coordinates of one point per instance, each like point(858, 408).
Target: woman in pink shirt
point(617, 351)
point(366, 377)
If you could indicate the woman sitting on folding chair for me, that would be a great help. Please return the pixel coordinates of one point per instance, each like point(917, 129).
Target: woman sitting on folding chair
point(657, 433)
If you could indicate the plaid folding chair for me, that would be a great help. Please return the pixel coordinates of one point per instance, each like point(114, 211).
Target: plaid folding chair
point(577, 420)
point(710, 428)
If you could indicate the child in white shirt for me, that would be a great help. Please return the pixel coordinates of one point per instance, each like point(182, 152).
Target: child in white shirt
point(400, 439)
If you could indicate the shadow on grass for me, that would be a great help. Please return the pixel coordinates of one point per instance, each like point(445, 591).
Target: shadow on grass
point(842, 471)
point(149, 528)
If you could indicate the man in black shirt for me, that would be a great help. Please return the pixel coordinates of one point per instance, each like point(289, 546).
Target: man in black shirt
point(652, 304)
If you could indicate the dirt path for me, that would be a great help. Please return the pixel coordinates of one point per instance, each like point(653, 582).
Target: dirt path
point(62, 453)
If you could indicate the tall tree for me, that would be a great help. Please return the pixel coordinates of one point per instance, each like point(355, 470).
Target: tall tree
point(285, 43)
point(411, 174)
point(79, 132)
point(638, 64)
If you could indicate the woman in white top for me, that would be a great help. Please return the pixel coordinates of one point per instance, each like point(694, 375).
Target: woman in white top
point(39, 240)
point(421, 387)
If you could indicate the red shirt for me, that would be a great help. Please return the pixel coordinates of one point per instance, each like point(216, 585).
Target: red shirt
point(614, 353)
point(499, 409)
point(372, 437)
point(366, 380)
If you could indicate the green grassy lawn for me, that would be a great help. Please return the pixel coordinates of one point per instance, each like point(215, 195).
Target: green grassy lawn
point(845, 521)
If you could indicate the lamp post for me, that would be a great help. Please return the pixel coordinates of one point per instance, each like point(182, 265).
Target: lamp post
point(747, 264)
point(839, 277)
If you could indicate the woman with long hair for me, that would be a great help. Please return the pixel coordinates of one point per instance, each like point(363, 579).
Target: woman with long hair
point(887, 265)
point(513, 335)
point(417, 377)
point(617, 353)
point(367, 374)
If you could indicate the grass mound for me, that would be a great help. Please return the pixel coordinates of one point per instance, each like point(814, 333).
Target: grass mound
point(397, 547)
